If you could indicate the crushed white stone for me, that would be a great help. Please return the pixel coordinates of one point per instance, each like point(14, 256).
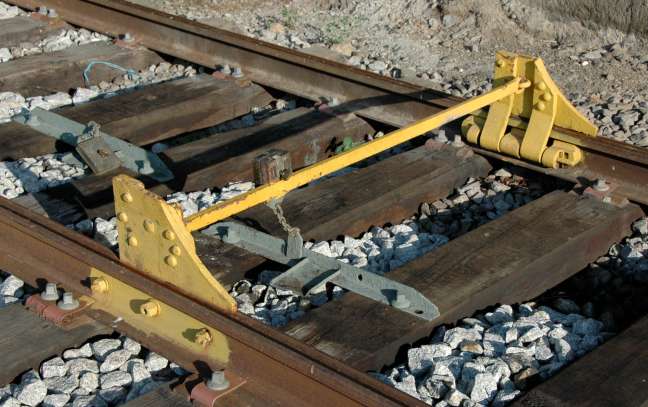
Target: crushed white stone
point(7, 11)
point(13, 103)
point(104, 372)
point(444, 371)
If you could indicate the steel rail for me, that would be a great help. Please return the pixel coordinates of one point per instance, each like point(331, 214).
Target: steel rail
point(288, 370)
point(383, 99)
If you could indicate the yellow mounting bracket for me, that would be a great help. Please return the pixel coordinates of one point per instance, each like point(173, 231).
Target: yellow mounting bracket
point(536, 110)
point(153, 238)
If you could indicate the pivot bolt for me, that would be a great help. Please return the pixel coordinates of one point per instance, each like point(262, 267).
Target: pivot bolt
point(50, 293)
point(203, 337)
point(218, 381)
point(601, 185)
point(68, 303)
point(99, 285)
point(150, 309)
point(401, 302)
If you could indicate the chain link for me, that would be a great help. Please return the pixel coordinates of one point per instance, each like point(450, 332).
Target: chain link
point(275, 205)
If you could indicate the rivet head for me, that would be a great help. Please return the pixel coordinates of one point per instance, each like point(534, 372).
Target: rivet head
point(541, 86)
point(500, 63)
point(168, 235)
point(149, 225)
point(175, 250)
point(546, 96)
point(203, 337)
point(132, 241)
point(150, 308)
point(126, 197)
point(171, 261)
point(99, 285)
point(540, 106)
point(122, 217)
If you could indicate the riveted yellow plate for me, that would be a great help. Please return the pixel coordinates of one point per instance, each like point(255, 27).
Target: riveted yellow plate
point(123, 301)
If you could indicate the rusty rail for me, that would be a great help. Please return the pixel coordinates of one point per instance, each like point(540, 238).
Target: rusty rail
point(386, 100)
point(271, 362)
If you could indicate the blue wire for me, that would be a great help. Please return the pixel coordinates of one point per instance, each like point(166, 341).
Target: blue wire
point(130, 72)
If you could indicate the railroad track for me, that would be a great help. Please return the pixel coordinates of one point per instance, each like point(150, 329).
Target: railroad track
point(320, 358)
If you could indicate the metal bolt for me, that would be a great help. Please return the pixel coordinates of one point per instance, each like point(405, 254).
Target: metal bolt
point(500, 63)
point(237, 72)
point(42, 10)
point(99, 285)
point(126, 197)
point(396, 73)
point(128, 37)
point(149, 225)
point(546, 96)
point(541, 86)
point(540, 106)
point(168, 235)
point(132, 241)
point(400, 302)
point(218, 381)
point(175, 250)
point(601, 185)
point(226, 70)
point(171, 261)
point(457, 141)
point(50, 293)
point(122, 216)
point(68, 303)
point(51, 13)
point(150, 308)
point(203, 337)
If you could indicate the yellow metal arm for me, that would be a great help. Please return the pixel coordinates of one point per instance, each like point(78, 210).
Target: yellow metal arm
point(267, 192)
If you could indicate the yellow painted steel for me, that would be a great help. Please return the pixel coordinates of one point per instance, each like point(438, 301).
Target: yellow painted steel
point(543, 105)
point(302, 177)
point(175, 327)
point(153, 239)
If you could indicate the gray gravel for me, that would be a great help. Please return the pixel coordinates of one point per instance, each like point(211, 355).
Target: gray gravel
point(488, 359)
point(58, 42)
point(7, 11)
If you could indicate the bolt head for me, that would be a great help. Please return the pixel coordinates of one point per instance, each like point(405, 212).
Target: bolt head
point(541, 85)
point(175, 250)
point(540, 106)
point(150, 309)
point(168, 235)
point(601, 185)
point(126, 197)
point(218, 381)
point(149, 225)
point(203, 337)
point(122, 216)
point(99, 285)
point(132, 241)
point(171, 261)
point(68, 303)
point(500, 63)
point(546, 96)
point(50, 293)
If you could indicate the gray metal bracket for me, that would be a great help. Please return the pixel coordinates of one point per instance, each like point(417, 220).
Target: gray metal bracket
point(97, 149)
point(313, 270)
